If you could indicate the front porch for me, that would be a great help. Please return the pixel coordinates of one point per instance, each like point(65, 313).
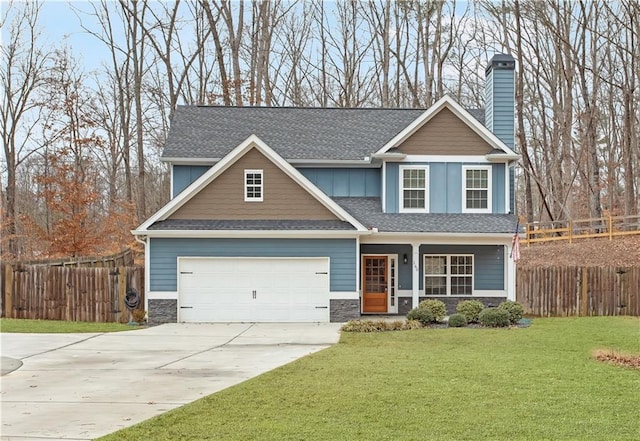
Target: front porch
point(395, 277)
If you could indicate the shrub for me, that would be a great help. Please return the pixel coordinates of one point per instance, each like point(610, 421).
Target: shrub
point(514, 309)
point(494, 317)
point(457, 320)
point(422, 315)
point(412, 324)
point(471, 309)
point(437, 308)
point(379, 325)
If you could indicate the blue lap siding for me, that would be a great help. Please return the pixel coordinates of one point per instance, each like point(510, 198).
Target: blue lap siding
point(164, 253)
point(488, 263)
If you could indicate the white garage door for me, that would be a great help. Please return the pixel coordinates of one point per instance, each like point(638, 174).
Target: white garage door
point(253, 289)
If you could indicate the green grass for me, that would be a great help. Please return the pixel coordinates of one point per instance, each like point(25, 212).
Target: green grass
point(58, 326)
point(536, 383)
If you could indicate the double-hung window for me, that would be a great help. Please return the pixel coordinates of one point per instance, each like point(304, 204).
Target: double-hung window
point(476, 185)
point(448, 275)
point(414, 189)
point(253, 186)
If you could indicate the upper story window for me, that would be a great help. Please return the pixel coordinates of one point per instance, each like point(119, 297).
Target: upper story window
point(476, 187)
point(414, 189)
point(253, 186)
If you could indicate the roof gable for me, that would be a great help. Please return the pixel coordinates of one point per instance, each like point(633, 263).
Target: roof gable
point(223, 198)
point(497, 147)
point(200, 189)
point(444, 134)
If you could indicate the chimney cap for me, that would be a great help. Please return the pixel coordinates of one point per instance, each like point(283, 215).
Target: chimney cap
point(501, 62)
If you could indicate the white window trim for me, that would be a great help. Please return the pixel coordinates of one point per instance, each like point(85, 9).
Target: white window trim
point(254, 199)
point(448, 274)
point(401, 208)
point(489, 208)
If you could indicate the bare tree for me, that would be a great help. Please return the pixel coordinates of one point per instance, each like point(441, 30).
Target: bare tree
point(23, 66)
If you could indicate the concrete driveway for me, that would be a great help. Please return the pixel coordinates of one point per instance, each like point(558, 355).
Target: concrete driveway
point(82, 386)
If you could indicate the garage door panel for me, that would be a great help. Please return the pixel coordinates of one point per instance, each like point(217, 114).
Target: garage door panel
point(286, 290)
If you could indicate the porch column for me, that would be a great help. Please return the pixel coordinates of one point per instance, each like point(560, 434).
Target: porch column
point(415, 273)
point(510, 268)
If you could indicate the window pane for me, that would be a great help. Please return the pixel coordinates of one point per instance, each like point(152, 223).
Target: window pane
point(413, 199)
point(477, 199)
point(435, 285)
point(461, 285)
point(477, 179)
point(435, 265)
point(413, 178)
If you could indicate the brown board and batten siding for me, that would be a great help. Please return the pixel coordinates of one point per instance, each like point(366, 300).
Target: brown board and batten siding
point(223, 198)
point(445, 134)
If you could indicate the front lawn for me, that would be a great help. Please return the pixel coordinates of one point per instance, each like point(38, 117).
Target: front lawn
point(58, 326)
point(536, 383)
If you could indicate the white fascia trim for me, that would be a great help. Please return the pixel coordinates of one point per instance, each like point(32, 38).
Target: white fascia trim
point(165, 295)
point(489, 208)
point(460, 112)
point(390, 156)
point(215, 171)
point(383, 199)
point(489, 293)
point(344, 295)
point(437, 238)
point(301, 234)
point(475, 159)
point(329, 162)
point(190, 161)
point(507, 189)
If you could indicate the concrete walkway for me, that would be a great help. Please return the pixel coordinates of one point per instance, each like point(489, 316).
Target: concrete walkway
point(82, 386)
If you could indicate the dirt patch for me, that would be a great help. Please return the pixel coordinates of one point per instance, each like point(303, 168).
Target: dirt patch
point(621, 251)
point(617, 358)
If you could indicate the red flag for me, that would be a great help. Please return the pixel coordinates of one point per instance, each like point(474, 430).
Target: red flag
point(515, 247)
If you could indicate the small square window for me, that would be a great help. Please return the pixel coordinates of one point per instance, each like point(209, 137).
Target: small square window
point(253, 186)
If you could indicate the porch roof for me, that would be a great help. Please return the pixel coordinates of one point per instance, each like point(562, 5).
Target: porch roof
point(252, 224)
point(368, 211)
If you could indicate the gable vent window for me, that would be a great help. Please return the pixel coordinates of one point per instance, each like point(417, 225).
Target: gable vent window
point(414, 189)
point(477, 189)
point(253, 186)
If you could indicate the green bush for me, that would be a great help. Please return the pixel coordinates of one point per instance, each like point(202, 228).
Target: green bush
point(457, 320)
point(437, 308)
point(471, 309)
point(379, 325)
point(514, 309)
point(494, 317)
point(422, 315)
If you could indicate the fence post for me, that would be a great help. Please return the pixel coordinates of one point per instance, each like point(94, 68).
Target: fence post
point(526, 232)
point(8, 291)
point(122, 291)
point(610, 228)
point(570, 232)
point(585, 303)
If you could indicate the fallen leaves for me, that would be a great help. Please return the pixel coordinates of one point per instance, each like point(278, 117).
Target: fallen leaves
point(621, 251)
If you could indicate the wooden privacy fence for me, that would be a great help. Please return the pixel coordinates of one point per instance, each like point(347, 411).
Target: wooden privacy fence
point(70, 293)
point(579, 291)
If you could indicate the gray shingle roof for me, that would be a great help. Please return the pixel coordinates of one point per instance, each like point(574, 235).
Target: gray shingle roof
point(369, 212)
point(295, 133)
point(182, 224)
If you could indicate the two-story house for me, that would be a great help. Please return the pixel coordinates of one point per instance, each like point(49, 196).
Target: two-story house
point(326, 214)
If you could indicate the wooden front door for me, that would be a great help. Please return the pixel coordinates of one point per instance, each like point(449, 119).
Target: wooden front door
point(374, 284)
